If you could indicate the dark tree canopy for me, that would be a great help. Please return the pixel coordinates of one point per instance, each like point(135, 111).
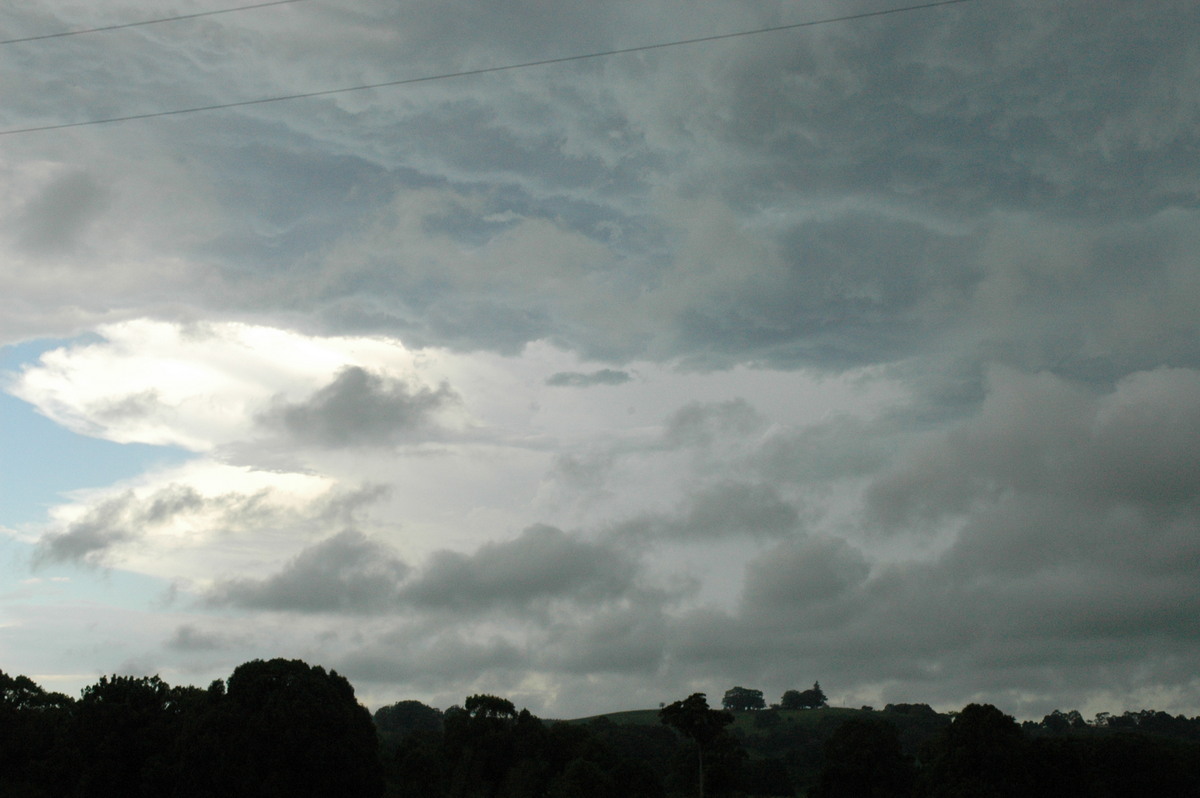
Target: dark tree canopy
point(285, 729)
point(807, 699)
point(743, 698)
point(693, 718)
point(123, 730)
point(405, 717)
point(489, 706)
point(863, 760)
point(983, 752)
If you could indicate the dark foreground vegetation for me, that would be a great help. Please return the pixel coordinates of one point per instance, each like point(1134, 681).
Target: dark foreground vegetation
point(284, 729)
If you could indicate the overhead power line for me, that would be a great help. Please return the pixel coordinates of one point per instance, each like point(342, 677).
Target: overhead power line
point(481, 71)
point(122, 25)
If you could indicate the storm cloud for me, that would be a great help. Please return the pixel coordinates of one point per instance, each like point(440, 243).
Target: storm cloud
point(863, 351)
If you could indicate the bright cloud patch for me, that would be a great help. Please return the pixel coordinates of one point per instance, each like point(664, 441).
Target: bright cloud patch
point(200, 386)
point(184, 522)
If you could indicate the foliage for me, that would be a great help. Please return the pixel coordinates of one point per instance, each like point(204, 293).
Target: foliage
point(693, 718)
point(287, 729)
point(284, 728)
point(31, 723)
point(806, 699)
point(740, 699)
point(124, 730)
point(404, 717)
point(981, 753)
point(863, 760)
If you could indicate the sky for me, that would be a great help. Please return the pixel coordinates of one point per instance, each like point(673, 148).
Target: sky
point(862, 351)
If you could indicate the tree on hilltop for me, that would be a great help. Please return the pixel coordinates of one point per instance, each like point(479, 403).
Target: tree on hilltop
point(806, 699)
point(743, 698)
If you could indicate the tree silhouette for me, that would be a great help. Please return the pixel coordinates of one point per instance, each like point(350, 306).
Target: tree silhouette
point(808, 699)
point(863, 760)
point(693, 718)
point(743, 698)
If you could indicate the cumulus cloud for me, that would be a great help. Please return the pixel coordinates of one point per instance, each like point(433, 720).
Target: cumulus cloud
point(359, 408)
point(171, 523)
point(1043, 436)
point(1059, 553)
point(727, 510)
point(132, 515)
point(347, 573)
point(542, 564)
point(352, 574)
point(88, 538)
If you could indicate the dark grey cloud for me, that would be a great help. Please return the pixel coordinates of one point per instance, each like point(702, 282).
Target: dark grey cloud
point(916, 135)
point(926, 632)
point(359, 408)
point(1042, 436)
point(125, 517)
point(88, 539)
point(352, 574)
point(867, 181)
point(835, 449)
point(792, 578)
point(542, 564)
point(836, 293)
point(721, 511)
point(56, 218)
point(188, 638)
point(347, 573)
point(430, 659)
point(575, 379)
point(732, 509)
point(1069, 541)
point(699, 423)
point(625, 640)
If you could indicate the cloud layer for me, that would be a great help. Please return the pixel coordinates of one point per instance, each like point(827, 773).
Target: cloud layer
point(865, 351)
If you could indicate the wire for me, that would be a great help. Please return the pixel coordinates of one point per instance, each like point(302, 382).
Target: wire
point(482, 71)
point(146, 22)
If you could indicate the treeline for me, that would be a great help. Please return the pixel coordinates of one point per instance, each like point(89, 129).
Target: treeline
point(275, 729)
point(487, 748)
point(284, 729)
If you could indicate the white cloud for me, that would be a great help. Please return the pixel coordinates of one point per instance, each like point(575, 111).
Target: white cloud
point(198, 386)
point(194, 520)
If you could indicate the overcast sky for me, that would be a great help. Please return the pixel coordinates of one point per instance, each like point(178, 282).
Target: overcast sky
point(864, 352)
